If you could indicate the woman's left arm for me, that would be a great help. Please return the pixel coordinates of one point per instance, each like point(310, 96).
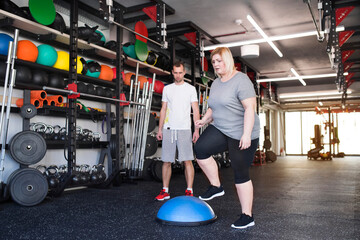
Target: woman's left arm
point(249, 105)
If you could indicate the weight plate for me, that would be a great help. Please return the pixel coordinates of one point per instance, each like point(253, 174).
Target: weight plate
point(27, 147)
point(28, 111)
point(112, 120)
point(28, 187)
point(151, 146)
point(146, 172)
point(156, 170)
point(113, 145)
point(152, 123)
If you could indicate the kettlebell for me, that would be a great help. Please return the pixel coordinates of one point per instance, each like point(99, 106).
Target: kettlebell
point(52, 175)
point(85, 173)
point(94, 175)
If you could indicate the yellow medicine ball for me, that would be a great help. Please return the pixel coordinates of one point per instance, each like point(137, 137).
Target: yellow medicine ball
point(62, 61)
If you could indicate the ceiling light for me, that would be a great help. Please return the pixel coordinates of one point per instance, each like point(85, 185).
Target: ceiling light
point(255, 41)
point(297, 75)
point(303, 77)
point(252, 21)
point(313, 94)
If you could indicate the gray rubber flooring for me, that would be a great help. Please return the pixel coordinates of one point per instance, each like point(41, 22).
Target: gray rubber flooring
point(294, 199)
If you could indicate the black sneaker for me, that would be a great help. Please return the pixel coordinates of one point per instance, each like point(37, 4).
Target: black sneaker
point(212, 192)
point(243, 222)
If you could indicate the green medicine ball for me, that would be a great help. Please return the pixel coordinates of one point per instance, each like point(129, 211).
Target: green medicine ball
point(47, 55)
point(102, 36)
point(93, 69)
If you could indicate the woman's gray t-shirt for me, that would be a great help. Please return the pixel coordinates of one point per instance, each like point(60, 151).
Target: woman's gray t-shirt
point(227, 111)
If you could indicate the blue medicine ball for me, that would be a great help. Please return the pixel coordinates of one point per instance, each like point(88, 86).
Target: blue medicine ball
point(4, 43)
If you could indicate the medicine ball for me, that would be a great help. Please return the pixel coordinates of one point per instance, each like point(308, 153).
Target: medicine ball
point(56, 81)
point(114, 73)
point(86, 32)
point(163, 61)
point(142, 80)
point(47, 55)
point(93, 69)
point(4, 43)
point(151, 58)
point(23, 74)
point(111, 45)
point(27, 51)
point(62, 61)
point(100, 91)
point(106, 73)
point(26, 12)
point(109, 93)
point(129, 50)
point(82, 87)
point(159, 87)
point(91, 89)
point(156, 101)
point(40, 77)
point(102, 39)
point(11, 7)
point(2, 70)
point(128, 77)
point(79, 65)
point(59, 23)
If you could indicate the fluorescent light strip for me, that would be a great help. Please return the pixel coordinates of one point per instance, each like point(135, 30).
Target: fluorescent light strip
point(252, 21)
point(255, 41)
point(290, 95)
point(303, 77)
point(298, 76)
point(273, 38)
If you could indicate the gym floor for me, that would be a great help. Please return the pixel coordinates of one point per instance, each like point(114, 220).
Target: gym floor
point(295, 198)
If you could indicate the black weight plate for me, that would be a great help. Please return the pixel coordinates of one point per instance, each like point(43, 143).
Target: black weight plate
point(151, 146)
point(152, 123)
point(27, 147)
point(113, 145)
point(28, 187)
point(156, 170)
point(28, 111)
point(146, 172)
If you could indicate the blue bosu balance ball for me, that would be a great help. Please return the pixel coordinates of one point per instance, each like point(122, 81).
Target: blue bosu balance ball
point(186, 211)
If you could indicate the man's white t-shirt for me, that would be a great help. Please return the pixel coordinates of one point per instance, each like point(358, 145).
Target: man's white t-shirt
point(178, 99)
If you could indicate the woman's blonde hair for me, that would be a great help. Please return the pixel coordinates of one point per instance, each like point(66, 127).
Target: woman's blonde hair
point(226, 56)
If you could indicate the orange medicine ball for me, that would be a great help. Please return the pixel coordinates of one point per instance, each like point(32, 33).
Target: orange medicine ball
point(142, 80)
point(106, 73)
point(27, 51)
point(128, 77)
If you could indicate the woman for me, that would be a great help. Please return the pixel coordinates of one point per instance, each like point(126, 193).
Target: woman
point(235, 127)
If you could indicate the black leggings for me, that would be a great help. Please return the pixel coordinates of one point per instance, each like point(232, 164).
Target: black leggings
point(213, 141)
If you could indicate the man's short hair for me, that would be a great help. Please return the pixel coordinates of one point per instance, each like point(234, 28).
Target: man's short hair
point(179, 63)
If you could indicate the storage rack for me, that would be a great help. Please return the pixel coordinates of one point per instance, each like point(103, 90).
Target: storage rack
point(117, 58)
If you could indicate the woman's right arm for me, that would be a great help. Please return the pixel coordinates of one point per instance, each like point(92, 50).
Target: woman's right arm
point(207, 118)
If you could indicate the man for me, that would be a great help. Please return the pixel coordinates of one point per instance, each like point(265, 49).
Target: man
point(175, 128)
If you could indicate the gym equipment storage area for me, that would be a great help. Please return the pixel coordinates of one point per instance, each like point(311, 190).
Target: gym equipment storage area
point(81, 89)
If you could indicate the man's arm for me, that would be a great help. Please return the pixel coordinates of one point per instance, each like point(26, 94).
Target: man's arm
point(161, 120)
point(196, 117)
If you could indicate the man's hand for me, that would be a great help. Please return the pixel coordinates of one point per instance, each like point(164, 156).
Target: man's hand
point(195, 136)
point(159, 135)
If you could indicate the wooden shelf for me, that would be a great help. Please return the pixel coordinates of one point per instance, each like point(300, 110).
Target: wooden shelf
point(152, 69)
